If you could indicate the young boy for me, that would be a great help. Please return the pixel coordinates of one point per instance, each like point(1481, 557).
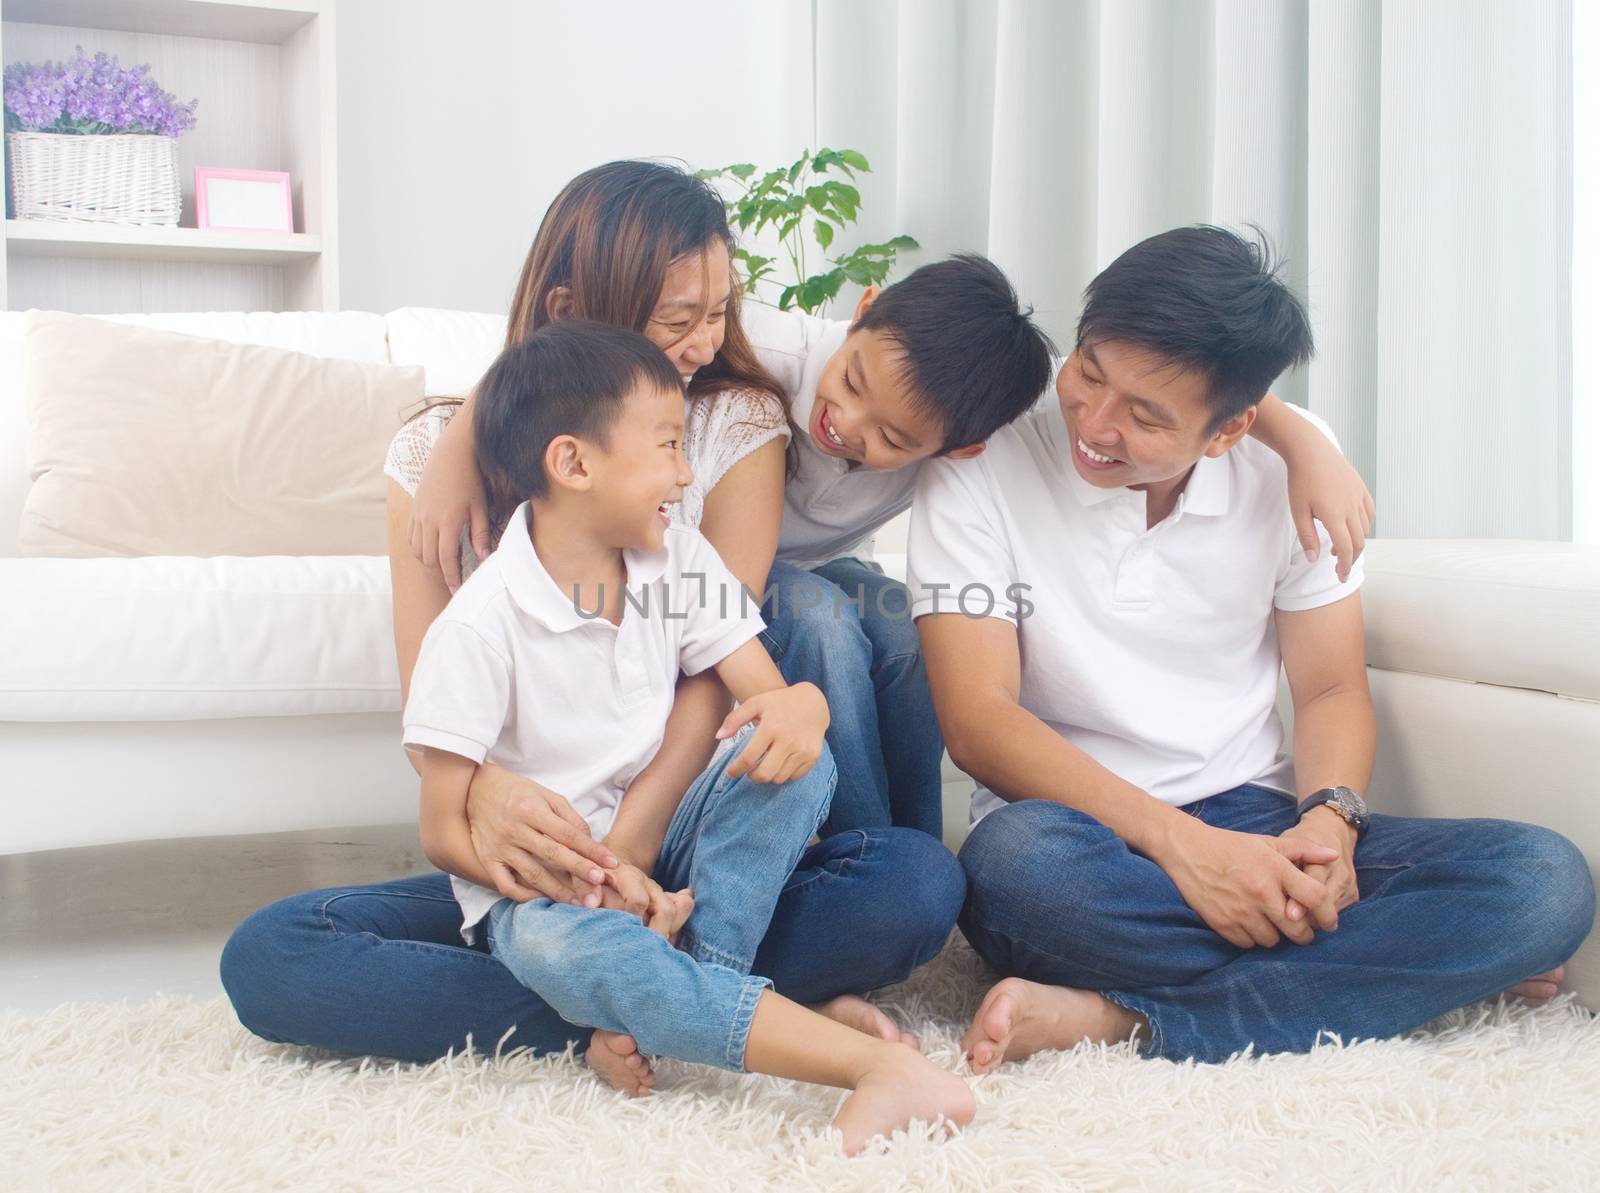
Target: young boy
point(1147, 857)
point(557, 660)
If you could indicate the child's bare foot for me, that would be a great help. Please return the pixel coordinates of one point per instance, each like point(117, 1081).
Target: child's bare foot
point(1019, 1018)
point(1539, 989)
point(900, 1088)
point(615, 1058)
point(854, 1011)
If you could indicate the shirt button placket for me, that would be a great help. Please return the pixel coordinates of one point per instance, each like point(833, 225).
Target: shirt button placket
point(1136, 568)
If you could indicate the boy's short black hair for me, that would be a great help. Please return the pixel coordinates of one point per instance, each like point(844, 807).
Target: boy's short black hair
point(568, 378)
point(1208, 300)
point(973, 359)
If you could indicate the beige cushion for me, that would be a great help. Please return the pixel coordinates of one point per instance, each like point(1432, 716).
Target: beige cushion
point(146, 442)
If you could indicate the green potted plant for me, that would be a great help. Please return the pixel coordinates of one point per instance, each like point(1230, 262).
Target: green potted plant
point(809, 201)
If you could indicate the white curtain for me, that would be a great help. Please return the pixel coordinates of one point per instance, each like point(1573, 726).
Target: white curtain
point(1412, 159)
point(1586, 275)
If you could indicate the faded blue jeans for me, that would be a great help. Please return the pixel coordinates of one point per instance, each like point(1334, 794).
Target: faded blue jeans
point(733, 842)
point(381, 969)
point(1450, 911)
point(847, 628)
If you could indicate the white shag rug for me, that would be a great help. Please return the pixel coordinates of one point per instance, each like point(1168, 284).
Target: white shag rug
point(173, 1093)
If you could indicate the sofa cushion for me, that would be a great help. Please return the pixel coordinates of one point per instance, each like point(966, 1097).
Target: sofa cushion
point(343, 335)
point(177, 638)
point(146, 442)
point(1514, 613)
point(453, 348)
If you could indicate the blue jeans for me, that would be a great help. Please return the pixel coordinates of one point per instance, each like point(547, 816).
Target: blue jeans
point(847, 628)
point(381, 970)
point(733, 842)
point(1451, 911)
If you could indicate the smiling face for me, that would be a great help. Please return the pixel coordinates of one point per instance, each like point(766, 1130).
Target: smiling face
point(1136, 421)
point(690, 316)
point(641, 469)
point(865, 410)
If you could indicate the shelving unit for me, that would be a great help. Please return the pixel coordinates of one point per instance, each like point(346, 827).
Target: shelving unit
point(264, 74)
point(113, 242)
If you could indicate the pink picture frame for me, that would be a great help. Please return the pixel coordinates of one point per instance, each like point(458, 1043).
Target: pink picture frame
point(245, 200)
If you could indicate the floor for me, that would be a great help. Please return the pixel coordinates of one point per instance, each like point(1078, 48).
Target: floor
point(131, 921)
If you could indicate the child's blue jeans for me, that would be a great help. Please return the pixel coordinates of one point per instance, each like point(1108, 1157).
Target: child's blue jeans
point(734, 842)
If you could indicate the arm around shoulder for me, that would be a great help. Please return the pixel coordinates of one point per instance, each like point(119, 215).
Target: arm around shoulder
point(449, 500)
point(419, 594)
point(1323, 486)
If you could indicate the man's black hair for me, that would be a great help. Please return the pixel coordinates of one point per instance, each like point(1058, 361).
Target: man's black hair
point(972, 358)
point(568, 378)
point(1204, 299)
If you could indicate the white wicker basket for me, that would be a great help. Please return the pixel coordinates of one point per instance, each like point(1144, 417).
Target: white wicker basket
point(126, 178)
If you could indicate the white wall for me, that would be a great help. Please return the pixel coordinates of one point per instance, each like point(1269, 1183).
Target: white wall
point(459, 122)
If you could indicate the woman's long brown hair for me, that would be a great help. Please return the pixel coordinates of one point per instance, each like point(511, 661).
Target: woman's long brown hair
point(610, 237)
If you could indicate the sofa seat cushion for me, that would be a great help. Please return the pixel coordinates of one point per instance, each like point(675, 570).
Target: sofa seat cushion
point(178, 638)
point(1509, 612)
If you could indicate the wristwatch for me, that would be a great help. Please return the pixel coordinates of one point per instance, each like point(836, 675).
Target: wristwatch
point(1347, 803)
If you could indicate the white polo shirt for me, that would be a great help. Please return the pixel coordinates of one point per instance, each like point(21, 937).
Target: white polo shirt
point(830, 509)
point(1152, 650)
point(514, 673)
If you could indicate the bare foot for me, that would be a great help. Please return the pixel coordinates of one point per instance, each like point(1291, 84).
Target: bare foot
point(1539, 989)
point(854, 1011)
point(616, 1060)
point(900, 1088)
point(1019, 1018)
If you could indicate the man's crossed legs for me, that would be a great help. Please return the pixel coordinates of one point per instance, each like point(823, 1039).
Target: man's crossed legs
point(1450, 911)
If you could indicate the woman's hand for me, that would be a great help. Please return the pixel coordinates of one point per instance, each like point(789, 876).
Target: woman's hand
point(787, 741)
point(531, 842)
point(1324, 487)
point(449, 499)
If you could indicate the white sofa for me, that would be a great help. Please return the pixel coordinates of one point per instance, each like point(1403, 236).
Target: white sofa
point(164, 697)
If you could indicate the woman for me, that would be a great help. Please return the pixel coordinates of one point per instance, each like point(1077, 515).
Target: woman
point(382, 969)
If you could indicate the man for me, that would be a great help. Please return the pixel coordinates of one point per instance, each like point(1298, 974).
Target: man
point(1104, 598)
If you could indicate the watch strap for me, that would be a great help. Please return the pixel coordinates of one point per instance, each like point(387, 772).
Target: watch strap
point(1332, 797)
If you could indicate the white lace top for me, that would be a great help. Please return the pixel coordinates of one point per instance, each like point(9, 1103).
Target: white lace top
point(720, 429)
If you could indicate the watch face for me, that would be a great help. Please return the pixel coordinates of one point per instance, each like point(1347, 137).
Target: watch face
point(1350, 805)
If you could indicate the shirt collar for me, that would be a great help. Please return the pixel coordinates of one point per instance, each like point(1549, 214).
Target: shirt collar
point(539, 596)
point(1210, 487)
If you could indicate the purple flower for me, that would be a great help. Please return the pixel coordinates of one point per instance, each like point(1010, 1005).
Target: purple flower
point(92, 96)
